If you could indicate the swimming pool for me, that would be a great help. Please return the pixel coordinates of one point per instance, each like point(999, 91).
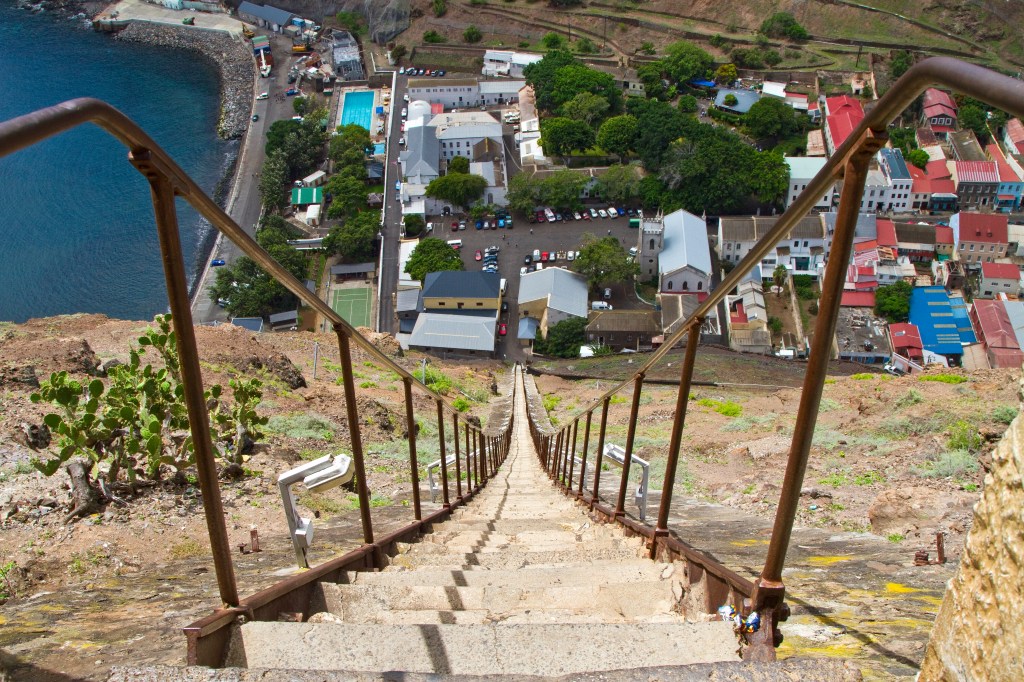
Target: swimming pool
point(378, 149)
point(358, 109)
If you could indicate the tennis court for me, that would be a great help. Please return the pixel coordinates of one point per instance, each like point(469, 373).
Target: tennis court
point(358, 108)
point(353, 305)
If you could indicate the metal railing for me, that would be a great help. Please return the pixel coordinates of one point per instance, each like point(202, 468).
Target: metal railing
point(482, 454)
point(484, 451)
point(557, 447)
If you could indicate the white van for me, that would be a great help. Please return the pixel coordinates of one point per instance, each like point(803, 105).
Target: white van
point(536, 255)
point(502, 286)
point(600, 305)
point(455, 243)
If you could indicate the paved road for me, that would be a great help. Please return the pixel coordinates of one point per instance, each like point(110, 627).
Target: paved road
point(391, 232)
point(244, 203)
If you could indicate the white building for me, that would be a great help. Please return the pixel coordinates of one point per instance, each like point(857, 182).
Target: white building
point(802, 251)
point(508, 63)
point(675, 248)
point(876, 192)
point(457, 93)
point(473, 134)
point(802, 170)
point(901, 182)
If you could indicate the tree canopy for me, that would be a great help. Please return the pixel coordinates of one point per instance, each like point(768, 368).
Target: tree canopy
point(771, 118)
point(348, 196)
point(564, 339)
point(659, 124)
point(618, 135)
point(918, 157)
point(573, 79)
point(354, 239)
point(458, 189)
point(586, 107)
point(783, 25)
point(432, 255)
point(726, 74)
point(272, 180)
point(458, 164)
point(541, 76)
point(619, 183)
point(560, 189)
point(300, 143)
point(974, 117)
point(685, 61)
point(350, 136)
point(603, 261)
point(893, 301)
point(560, 136)
point(250, 292)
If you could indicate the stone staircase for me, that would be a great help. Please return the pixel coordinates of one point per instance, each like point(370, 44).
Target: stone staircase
point(518, 584)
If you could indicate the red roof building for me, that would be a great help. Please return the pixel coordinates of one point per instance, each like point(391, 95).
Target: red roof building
point(858, 299)
point(939, 111)
point(886, 233)
point(945, 243)
point(994, 329)
point(1013, 137)
point(999, 278)
point(905, 339)
point(842, 115)
point(983, 228)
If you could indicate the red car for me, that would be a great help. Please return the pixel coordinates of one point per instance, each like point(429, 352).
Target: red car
point(455, 227)
point(540, 217)
point(502, 329)
point(478, 255)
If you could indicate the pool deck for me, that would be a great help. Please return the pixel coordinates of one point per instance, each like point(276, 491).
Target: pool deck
point(375, 120)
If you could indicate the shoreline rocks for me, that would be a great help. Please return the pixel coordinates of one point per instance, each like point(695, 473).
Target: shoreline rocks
point(233, 61)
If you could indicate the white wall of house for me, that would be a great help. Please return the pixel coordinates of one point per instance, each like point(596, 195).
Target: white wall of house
point(685, 280)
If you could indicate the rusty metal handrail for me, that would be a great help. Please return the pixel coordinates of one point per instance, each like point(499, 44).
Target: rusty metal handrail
point(167, 182)
point(849, 162)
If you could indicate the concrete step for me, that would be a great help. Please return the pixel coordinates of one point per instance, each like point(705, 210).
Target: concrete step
point(514, 526)
point(552, 534)
point(631, 601)
point(598, 572)
point(789, 670)
point(498, 648)
point(511, 559)
point(547, 616)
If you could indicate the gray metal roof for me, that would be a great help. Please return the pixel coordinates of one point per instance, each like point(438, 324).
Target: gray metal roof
point(499, 86)
point(461, 284)
point(528, 327)
point(744, 99)
point(407, 299)
point(422, 153)
point(686, 243)
point(455, 332)
point(352, 269)
point(266, 12)
point(254, 324)
point(867, 225)
point(893, 159)
point(564, 291)
point(281, 318)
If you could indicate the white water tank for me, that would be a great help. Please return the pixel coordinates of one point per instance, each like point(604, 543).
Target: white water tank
point(419, 109)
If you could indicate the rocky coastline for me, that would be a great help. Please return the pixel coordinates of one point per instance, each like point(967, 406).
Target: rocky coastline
point(234, 64)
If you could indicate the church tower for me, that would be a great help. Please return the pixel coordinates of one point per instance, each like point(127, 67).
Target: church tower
point(652, 240)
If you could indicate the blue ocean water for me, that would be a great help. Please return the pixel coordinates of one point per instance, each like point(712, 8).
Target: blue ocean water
point(76, 223)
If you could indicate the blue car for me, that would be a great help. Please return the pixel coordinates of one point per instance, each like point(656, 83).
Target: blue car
point(217, 262)
point(501, 223)
point(479, 224)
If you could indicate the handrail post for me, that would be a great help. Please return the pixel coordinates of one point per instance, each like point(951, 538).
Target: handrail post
point(553, 469)
point(770, 590)
point(572, 455)
point(458, 467)
point(481, 455)
point(352, 413)
point(470, 470)
point(634, 410)
point(600, 451)
point(162, 192)
point(444, 455)
point(682, 401)
point(414, 465)
point(583, 459)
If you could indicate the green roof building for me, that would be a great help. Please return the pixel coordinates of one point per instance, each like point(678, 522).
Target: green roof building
point(304, 196)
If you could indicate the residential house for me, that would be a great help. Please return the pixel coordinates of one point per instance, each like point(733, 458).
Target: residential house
point(458, 313)
point(945, 243)
point(977, 183)
point(474, 134)
point(748, 316)
point(421, 158)
point(915, 242)
point(965, 146)
point(744, 100)
point(888, 243)
point(619, 329)
point(1010, 185)
point(344, 272)
point(898, 178)
point(675, 247)
point(892, 271)
point(939, 112)
point(905, 340)
point(625, 77)
point(999, 278)
point(500, 92)
point(508, 63)
point(858, 299)
point(802, 251)
point(948, 273)
point(940, 187)
point(943, 323)
point(550, 296)
point(1013, 136)
point(980, 237)
point(865, 230)
point(467, 290)
point(995, 331)
point(927, 142)
point(264, 16)
point(876, 192)
point(287, 320)
point(842, 115)
point(1015, 311)
point(802, 170)
point(407, 308)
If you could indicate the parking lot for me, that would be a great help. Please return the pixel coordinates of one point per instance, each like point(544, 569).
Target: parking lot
point(517, 243)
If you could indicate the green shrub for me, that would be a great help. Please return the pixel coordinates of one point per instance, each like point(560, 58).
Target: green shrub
point(963, 436)
point(868, 477)
point(950, 464)
point(433, 37)
point(302, 425)
point(460, 404)
point(895, 538)
point(726, 407)
point(551, 401)
point(1004, 414)
point(827, 405)
point(835, 480)
point(912, 397)
point(943, 378)
point(862, 376)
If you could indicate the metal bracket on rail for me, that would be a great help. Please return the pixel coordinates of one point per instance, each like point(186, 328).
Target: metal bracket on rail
point(617, 455)
point(317, 476)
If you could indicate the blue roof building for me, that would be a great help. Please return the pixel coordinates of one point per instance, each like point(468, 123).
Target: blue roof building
point(744, 100)
point(265, 16)
point(943, 321)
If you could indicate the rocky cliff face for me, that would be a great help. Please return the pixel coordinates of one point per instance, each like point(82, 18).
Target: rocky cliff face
point(977, 634)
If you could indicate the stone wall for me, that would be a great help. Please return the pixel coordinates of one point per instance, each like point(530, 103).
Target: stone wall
point(979, 631)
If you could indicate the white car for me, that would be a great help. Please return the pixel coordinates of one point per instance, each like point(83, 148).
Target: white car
point(401, 141)
point(570, 256)
point(405, 98)
point(263, 95)
point(603, 213)
point(401, 71)
point(523, 270)
point(405, 112)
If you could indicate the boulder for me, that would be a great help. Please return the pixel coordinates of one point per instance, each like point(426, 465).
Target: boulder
point(916, 510)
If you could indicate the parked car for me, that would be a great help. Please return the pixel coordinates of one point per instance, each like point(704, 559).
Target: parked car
point(216, 262)
point(541, 217)
point(593, 213)
point(527, 260)
point(570, 256)
point(440, 73)
point(462, 224)
point(401, 141)
point(607, 294)
point(478, 255)
point(401, 70)
point(633, 251)
point(603, 213)
point(544, 255)
point(291, 92)
point(523, 270)
point(536, 255)
point(586, 214)
point(263, 95)
point(455, 226)
point(576, 215)
point(552, 256)
point(630, 212)
point(479, 224)
point(502, 329)
point(255, 117)
point(428, 72)
point(504, 306)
